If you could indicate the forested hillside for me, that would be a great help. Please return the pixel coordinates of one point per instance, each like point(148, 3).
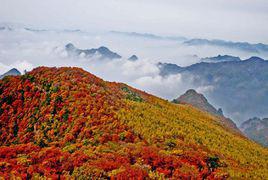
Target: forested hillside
point(68, 123)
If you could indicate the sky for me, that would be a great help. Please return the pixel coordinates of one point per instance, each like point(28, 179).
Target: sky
point(237, 20)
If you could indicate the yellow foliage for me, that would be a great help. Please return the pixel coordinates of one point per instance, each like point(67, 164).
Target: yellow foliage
point(159, 121)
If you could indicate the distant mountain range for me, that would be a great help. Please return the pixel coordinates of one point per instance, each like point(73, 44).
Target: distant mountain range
point(5, 28)
point(220, 58)
point(150, 36)
point(256, 129)
point(18, 26)
point(102, 52)
point(245, 46)
point(239, 87)
point(11, 72)
point(242, 46)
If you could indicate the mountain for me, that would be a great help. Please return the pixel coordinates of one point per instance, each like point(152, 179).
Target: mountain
point(239, 87)
point(103, 52)
point(149, 36)
point(11, 72)
point(220, 58)
point(65, 123)
point(8, 26)
point(199, 101)
point(256, 129)
point(133, 58)
point(244, 46)
point(36, 30)
point(168, 69)
point(135, 34)
point(2, 28)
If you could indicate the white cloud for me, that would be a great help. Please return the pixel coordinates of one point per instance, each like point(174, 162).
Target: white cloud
point(20, 65)
point(205, 89)
point(139, 68)
point(25, 50)
point(168, 87)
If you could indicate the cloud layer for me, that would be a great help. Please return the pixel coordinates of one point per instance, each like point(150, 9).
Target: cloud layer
point(24, 50)
point(240, 20)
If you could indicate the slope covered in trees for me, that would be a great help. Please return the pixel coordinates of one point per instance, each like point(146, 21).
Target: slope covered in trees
point(66, 122)
point(200, 101)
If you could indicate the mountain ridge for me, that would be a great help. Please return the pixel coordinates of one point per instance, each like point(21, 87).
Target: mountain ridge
point(245, 46)
point(220, 58)
point(102, 51)
point(232, 82)
point(200, 101)
point(74, 125)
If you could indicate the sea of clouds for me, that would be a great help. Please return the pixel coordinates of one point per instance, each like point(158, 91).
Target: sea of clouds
point(26, 49)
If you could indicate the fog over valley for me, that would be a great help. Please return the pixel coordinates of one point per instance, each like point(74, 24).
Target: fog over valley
point(25, 47)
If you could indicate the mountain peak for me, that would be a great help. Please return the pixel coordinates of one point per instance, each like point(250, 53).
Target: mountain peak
point(104, 52)
point(192, 92)
point(103, 48)
point(168, 68)
point(69, 45)
point(255, 58)
point(133, 58)
point(197, 100)
point(11, 72)
point(14, 70)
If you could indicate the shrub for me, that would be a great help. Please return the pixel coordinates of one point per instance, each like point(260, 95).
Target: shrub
point(133, 96)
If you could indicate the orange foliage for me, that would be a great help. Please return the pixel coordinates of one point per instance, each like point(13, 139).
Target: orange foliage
point(61, 122)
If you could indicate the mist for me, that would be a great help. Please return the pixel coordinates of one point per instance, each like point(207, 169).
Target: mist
point(24, 50)
point(239, 20)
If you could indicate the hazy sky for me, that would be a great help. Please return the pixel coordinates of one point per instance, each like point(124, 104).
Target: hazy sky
point(243, 20)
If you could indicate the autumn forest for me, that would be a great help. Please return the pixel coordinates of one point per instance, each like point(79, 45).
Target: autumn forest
point(65, 123)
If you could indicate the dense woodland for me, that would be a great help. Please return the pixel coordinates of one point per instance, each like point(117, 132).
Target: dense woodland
point(67, 123)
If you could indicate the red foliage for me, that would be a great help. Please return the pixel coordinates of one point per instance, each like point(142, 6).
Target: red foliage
point(133, 173)
point(49, 109)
